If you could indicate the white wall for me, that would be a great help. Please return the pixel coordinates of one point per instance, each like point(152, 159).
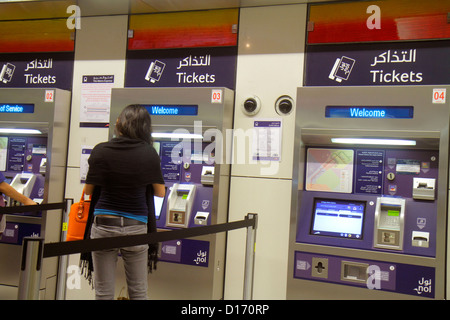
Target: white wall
point(270, 64)
point(100, 49)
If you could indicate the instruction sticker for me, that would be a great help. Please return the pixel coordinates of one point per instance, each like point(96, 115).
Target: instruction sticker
point(408, 166)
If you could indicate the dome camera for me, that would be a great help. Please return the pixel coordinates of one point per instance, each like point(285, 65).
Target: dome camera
point(251, 106)
point(284, 105)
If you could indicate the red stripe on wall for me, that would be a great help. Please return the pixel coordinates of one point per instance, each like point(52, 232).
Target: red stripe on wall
point(352, 31)
point(36, 46)
point(400, 20)
point(182, 38)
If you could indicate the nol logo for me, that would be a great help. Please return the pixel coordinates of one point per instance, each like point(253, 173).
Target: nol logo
point(201, 258)
point(424, 286)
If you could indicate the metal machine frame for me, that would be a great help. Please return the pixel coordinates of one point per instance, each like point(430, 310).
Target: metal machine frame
point(180, 281)
point(51, 116)
point(429, 127)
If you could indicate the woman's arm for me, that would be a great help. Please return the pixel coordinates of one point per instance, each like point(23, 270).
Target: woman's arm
point(12, 193)
point(159, 190)
point(88, 189)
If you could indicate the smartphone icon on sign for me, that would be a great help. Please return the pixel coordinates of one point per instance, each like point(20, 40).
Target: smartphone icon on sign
point(155, 71)
point(7, 72)
point(341, 69)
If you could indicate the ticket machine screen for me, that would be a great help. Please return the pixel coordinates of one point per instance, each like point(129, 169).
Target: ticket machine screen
point(337, 218)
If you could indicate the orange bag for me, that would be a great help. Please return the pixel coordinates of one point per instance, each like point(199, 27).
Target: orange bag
point(78, 216)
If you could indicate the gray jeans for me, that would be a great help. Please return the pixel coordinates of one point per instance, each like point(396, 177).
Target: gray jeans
point(134, 259)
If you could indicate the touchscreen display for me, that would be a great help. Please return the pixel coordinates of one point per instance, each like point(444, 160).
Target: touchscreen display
point(338, 218)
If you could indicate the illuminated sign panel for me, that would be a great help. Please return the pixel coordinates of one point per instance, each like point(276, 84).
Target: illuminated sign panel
point(172, 110)
point(369, 112)
point(16, 108)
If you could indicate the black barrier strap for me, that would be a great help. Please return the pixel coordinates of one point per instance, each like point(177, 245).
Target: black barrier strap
point(39, 207)
point(81, 246)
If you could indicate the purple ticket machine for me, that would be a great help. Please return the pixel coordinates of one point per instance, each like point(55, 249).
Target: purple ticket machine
point(34, 129)
point(189, 131)
point(370, 193)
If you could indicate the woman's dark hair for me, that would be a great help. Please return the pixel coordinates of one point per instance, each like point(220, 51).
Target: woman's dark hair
point(134, 122)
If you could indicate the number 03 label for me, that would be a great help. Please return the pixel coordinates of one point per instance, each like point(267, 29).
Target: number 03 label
point(216, 96)
point(439, 95)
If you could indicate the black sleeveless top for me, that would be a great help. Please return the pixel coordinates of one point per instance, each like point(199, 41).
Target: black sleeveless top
point(125, 169)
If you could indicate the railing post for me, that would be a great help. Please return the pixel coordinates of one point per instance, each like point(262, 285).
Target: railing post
point(62, 267)
point(250, 257)
point(30, 269)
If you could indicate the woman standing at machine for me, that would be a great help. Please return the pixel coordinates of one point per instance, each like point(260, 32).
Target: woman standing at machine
point(124, 175)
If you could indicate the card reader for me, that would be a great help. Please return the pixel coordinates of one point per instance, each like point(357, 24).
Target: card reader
point(179, 205)
point(207, 177)
point(424, 189)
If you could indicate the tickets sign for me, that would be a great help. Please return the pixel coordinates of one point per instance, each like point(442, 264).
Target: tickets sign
point(37, 70)
point(371, 64)
point(186, 67)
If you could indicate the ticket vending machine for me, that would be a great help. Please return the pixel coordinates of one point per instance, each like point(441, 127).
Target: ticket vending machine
point(189, 130)
point(34, 128)
point(369, 199)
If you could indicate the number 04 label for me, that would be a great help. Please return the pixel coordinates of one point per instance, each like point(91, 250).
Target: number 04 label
point(439, 95)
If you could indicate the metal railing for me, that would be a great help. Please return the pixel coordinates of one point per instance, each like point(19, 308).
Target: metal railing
point(34, 250)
